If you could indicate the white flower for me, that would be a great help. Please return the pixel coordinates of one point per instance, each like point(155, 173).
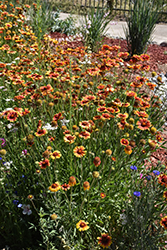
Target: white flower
point(7, 164)
point(49, 127)
point(123, 219)
point(9, 126)
point(64, 122)
point(26, 209)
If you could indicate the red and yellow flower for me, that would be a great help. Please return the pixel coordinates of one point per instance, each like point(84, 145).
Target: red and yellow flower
point(72, 181)
point(104, 241)
point(79, 151)
point(96, 161)
point(44, 164)
point(86, 185)
point(82, 225)
point(56, 155)
point(128, 150)
point(124, 142)
point(143, 124)
point(41, 132)
point(55, 187)
point(163, 222)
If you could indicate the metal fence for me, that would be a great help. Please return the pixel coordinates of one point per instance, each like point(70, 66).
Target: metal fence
point(121, 6)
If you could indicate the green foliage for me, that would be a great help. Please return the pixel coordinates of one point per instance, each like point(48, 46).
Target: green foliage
point(94, 27)
point(66, 26)
point(62, 108)
point(141, 21)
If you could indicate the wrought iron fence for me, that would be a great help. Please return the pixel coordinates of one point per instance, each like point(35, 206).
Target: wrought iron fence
point(118, 5)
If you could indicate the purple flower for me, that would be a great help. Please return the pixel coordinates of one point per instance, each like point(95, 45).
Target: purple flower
point(133, 167)
point(3, 142)
point(24, 152)
point(137, 193)
point(156, 172)
point(148, 177)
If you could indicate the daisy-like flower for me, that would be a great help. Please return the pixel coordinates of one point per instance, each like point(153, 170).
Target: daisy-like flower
point(162, 179)
point(96, 161)
point(65, 187)
point(26, 209)
point(44, 164)
point(72, 181)
point(163, 222)
point(124, 142)
point(79, 151)
point(12, 116)
point(30, 197)
point(128, 150)
point(122, 116)
point(104, 241)
point(86, 185)
point(102, 195)
point(56, 155)
point(143, 124)
point(82, 225)
point(165, 194)
point(84, 134)
point(41, 132)
point(69, 138)
point(55, 187)
point(84, 124)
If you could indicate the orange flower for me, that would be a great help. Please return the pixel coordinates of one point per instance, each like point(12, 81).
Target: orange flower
point(84, 134)
point(96, 161)
point(101, 109)
point(103, 195)
point(93, 71)
point(12, 116)
point(143, 124)
point(84, 124)
point(124, 142)
point(165, 195)
point(55, 187)
point(86, 185)
point(69, 138)
point(57, 116)
point(56, 155)
point(128, 150)
point(123, 116)
point(113, 158)
point(104, 240)
point(79, 151)
point(82, 225)
point(163, 222)
point(44, 164)
point(41, 132)
point(141, 114)
point(72, 181)
point(162, 179)
point(65, 187)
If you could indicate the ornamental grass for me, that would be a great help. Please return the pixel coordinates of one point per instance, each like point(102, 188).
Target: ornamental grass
point(74, 140)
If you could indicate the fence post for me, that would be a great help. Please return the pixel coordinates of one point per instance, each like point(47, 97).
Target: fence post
point(110, 4)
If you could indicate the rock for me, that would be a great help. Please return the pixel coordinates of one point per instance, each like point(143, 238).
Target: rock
point(163, 44)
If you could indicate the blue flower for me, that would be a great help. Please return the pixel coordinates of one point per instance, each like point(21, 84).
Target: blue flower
point(156, 172)
point(20, 205)
point(0, 158)
point(148, 177)
point(137, 193)
point(15, 202)
point(133, 167)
